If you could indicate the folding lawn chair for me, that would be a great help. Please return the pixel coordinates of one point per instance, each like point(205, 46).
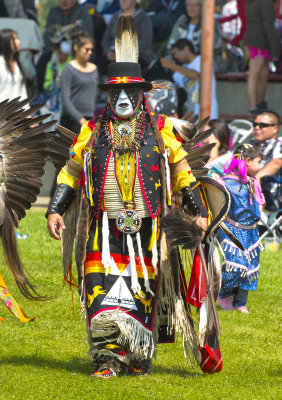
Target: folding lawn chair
point(241, 131)
point(272, 223)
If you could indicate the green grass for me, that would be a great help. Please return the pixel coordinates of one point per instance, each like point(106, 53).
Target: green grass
point(47, 358)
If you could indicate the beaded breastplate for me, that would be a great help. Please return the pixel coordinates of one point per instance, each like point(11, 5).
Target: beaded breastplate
point(136, 157)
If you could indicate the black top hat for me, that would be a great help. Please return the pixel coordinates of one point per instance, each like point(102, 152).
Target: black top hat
point(125, 75)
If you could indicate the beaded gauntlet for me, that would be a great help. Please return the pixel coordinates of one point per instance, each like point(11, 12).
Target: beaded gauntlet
point(61, 200)
point(193, 201)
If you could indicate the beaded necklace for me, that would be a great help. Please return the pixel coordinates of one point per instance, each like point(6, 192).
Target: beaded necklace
point(123, 135)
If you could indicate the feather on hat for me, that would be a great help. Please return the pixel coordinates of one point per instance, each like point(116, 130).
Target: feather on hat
point(126, 72)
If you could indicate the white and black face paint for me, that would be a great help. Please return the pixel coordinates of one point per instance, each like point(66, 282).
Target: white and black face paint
point(124, 101)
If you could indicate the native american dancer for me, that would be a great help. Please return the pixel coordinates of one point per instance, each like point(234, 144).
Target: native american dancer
point(126, 164)
point(240, 270)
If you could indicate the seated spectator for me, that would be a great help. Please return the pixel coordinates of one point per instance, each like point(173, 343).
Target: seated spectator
point(30, 9)
point(144, 29)
point(221, 152)
point(163, 99)
point(232, 34)
point(189, 26)
point(230, 29)
point(102, 6)
point(163, 15)
point(186, 75)
point(265, 133)
point(67, 12)
point(12, 9)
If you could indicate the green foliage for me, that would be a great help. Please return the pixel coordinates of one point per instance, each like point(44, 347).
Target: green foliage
point(47, 359)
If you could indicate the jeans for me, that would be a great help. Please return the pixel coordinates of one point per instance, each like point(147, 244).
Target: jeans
point(239, 295)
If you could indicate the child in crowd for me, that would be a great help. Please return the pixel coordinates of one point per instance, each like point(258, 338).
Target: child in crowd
point(240, 270)
point(61, 55)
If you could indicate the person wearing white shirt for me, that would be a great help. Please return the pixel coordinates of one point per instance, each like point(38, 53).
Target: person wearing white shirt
point(186, 75)
point(12, 83)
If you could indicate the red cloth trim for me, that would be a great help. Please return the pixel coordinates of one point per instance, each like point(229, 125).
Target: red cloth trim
point(124, 79)
point(118, 258)
point(103, 184)
point(197, 289)
point(211, 359)
point(91, 124)
point(161, 122)
point(81, 181)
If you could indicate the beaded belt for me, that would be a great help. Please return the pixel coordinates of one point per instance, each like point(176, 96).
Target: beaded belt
point(238, 225)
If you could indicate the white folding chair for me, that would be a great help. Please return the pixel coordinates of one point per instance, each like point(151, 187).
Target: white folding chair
point(241, 131)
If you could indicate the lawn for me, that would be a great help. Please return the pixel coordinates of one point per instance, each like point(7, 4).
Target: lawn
point(47, 358)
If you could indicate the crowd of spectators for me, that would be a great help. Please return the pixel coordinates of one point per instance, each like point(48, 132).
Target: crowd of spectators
point(57, 65)
point(160, 24)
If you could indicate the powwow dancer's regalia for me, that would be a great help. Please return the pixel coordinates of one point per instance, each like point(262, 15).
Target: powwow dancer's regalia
point(128, 162)
point(241, 269)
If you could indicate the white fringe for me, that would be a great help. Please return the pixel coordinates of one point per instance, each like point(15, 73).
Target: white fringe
point(155, 248)
point(174, 308)
point(131, 332)
point(82, 300)
point(106, 255)
point(167, 173)
point(145, 272)
point(136, 288)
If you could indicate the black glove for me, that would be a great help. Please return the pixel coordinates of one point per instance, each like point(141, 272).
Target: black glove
point(61, 200)
point(193, 202)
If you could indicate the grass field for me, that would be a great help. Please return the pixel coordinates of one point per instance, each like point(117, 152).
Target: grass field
point(47, 358)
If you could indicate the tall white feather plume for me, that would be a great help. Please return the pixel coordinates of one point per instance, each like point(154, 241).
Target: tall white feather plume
point(126, 40)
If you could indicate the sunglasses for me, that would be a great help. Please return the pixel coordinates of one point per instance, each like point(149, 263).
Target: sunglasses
point(88, 49)
point(262, 125)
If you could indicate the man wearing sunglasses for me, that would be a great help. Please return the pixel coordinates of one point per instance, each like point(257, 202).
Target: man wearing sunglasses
point(265, 132)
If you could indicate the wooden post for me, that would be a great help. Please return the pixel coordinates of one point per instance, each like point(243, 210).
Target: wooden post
point(207, 57)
